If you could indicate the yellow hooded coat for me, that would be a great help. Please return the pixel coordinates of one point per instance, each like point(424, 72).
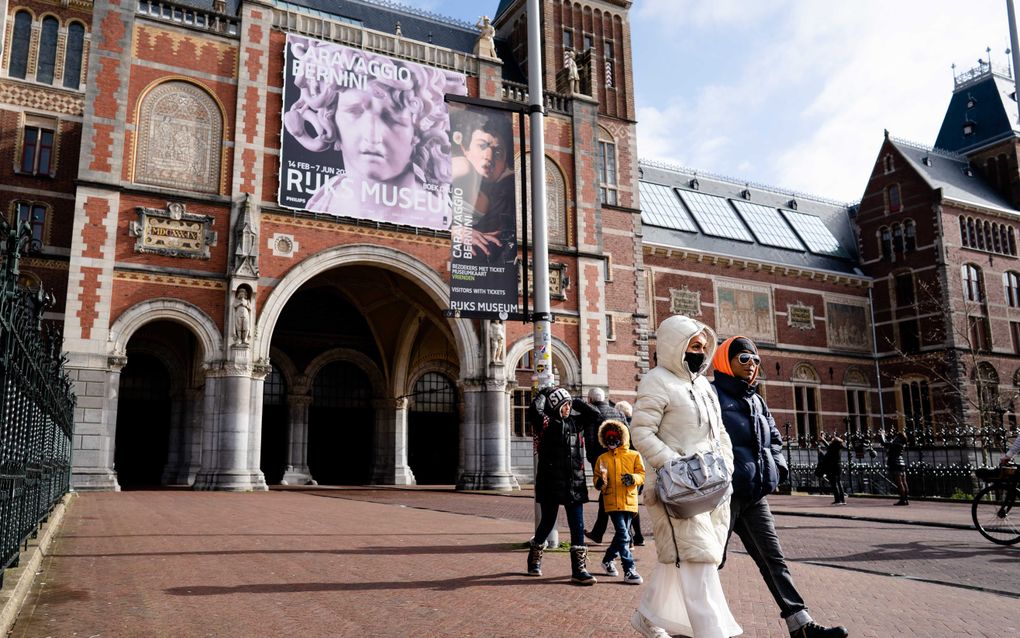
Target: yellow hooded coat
point(616, 496)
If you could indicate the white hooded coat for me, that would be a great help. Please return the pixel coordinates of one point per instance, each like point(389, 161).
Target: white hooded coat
point(677, 413)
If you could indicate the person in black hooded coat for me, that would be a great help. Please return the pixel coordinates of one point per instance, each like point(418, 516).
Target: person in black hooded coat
point(560, 478)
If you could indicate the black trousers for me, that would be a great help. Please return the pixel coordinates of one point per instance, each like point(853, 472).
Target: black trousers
point(754, 525)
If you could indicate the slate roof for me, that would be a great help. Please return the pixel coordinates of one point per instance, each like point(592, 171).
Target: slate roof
point(987, 102)
point(835, 216)
point(383, 15)
point(954, 174)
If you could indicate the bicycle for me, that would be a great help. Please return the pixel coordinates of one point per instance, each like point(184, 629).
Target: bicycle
point(993, 507)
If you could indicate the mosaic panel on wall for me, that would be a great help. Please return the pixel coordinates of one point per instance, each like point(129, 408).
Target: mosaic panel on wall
point(744, 309)
point(179, 140)
point(846, 325)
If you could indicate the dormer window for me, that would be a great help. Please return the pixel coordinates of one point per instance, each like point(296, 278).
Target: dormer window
point(887, 163)
point(971, 102)
point(968, 128)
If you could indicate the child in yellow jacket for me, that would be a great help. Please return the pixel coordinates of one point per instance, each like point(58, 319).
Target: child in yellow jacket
point(619, 473)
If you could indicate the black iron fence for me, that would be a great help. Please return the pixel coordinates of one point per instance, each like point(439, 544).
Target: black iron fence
point(36, 404)
point(940, 462)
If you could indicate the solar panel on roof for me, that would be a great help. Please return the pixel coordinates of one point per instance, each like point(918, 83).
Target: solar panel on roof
point(767, 225)
point(715, 216)
point(660, 207)
point(813, 232)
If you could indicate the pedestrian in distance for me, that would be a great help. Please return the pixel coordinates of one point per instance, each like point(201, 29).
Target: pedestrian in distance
point(620, 474)
point(560, 478)
point(677, 413)
point(758, 470)
point(895, 463)
point(593, 420)
point(637, 538)
point(832, 466)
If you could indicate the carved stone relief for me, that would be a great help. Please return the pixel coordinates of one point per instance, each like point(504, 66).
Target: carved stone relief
point(173, 232)
point(179, 139)
point(685, 302)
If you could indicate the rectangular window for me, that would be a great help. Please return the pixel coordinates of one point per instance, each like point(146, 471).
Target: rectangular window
point(587, 42)
point(857, 410)
point(521, 401)
point(916, 405)
point(568, 39)
point(910, 338)
point(36, 150)
point(904, 289)
point(979, 333)
point(894, 198)
point(609, 267)
point(610, 53)
point(610, 328)
point(35, 215)
point(607, 173)
point(805, 401)
point(1014, 331)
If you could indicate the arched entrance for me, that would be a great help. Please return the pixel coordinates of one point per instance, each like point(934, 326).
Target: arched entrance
point(339, 426)
point(433, 430)
point(143, 422)
point(275, 423)
point(157, 439)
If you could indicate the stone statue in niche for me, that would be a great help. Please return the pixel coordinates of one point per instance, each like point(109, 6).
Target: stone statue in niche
point(246, 242)
point(573, 75)
point(497, 341)
point(242, 317)
point(485, 46)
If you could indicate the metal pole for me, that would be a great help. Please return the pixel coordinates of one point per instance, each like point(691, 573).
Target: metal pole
point(1013, 45)
point(542, 319)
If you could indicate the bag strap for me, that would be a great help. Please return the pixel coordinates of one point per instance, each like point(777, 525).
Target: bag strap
point(672, 534)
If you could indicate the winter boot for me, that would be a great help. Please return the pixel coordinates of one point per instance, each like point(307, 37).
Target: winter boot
point(535, 559)
point(579, 566)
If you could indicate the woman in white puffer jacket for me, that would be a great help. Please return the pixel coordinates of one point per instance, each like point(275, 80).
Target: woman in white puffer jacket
point(677, 413)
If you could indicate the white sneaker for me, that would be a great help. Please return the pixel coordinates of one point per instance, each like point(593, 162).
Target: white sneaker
point(631, 577)
point(645, 628)
point(610, 568)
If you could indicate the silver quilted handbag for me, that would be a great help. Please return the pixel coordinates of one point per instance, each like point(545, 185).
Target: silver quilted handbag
point(693, 484)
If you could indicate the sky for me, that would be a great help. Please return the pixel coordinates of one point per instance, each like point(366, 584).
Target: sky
point(794, 94)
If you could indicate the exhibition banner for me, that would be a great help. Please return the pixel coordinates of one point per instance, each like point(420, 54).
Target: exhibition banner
point(483, 271)
point(365, 135)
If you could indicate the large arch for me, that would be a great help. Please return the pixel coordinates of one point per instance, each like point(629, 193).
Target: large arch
point(354, 357)
point(192, 316)
point(379, 256)
point(572, 366)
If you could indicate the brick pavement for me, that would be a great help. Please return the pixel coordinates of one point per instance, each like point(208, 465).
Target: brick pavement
point(335, 563)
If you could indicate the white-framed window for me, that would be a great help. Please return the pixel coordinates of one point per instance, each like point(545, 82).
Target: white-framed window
point(608, 185)
point(36, 146)
point(35, 214)
point(973, 289)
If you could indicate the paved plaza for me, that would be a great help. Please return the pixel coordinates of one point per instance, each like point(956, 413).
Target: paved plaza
point(436, 563)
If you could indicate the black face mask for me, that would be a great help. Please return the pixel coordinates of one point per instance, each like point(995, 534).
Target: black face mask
point(694, 360)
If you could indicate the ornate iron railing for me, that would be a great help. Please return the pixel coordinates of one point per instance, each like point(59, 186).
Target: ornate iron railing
point(36, 405)
point(940, 462)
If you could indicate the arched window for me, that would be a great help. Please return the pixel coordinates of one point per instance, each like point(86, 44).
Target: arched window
point(897, 234)
point(979, 229)
point(1011, 288)
point(987, 380)
point(20, 42)
point(916, 403)
point(996, 246)
point(971, 232)
point(73, 55)
point(988, 235)
point(1012, 242)
point(47, 61)
point(1004, 239)
point(806, 402)
point(910, 236)
point(893, 198)
point(964, 237)
point(885, 237)
point(972, 288)
point(179, 141)
point(555, 201)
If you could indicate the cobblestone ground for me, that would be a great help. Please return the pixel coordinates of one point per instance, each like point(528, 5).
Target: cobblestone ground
point(406, 563)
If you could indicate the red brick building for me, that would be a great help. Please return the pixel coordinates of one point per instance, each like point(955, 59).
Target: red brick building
point(224, 338)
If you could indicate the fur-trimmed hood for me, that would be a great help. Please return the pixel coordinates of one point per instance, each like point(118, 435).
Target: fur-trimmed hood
point(613, 424)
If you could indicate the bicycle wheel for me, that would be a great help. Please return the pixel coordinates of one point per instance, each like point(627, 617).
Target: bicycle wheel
point(995, 514)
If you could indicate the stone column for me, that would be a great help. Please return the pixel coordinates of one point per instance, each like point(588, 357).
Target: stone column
point(389, 467)
point(225, 451)
point(485, 436)
point(297, 471)
point(95, 417)
point(175, 436)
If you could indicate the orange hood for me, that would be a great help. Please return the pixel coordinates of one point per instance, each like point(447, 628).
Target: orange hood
point(721, 359)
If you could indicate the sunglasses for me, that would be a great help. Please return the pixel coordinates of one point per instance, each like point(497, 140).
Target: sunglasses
point(745, 357)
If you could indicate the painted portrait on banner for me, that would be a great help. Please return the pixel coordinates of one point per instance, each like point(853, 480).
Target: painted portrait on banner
point(743, 309)
point(365, 135)
point(847, 326)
